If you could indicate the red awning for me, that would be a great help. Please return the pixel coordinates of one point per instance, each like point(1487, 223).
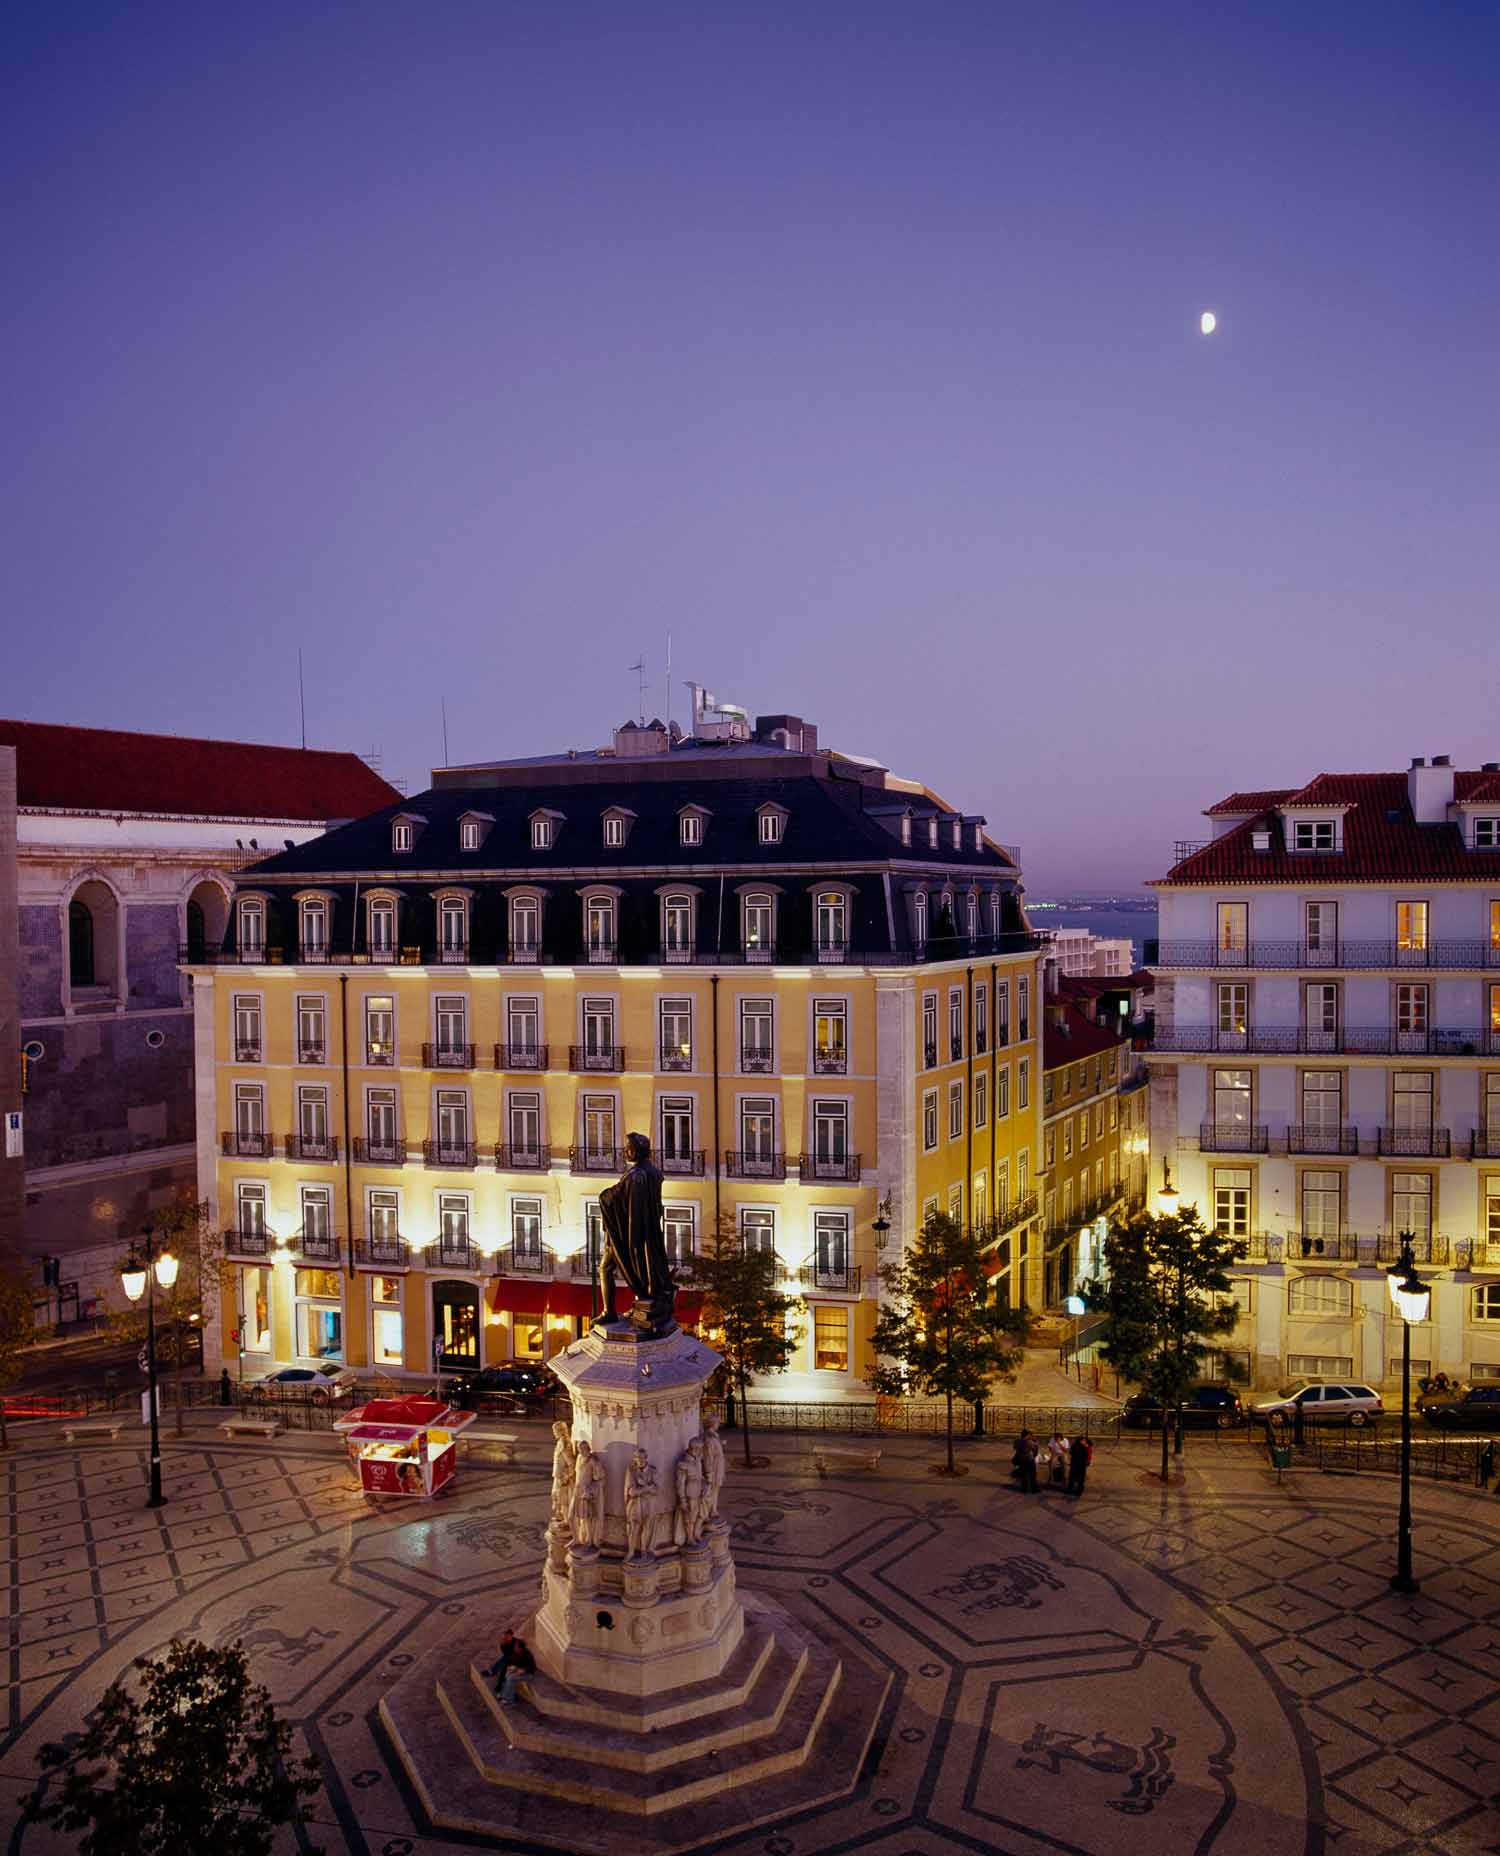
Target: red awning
point(517, 1295)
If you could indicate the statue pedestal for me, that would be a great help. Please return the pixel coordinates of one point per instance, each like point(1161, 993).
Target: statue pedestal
point(664, 1702)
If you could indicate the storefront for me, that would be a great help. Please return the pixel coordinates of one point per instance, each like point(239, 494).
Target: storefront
point(404, 1446)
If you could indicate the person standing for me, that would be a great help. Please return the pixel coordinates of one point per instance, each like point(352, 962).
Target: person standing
point(1057, 1458)
point(1024, 1462)
point(1080, 1455)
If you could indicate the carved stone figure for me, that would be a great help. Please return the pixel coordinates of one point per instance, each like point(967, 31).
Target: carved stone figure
point(563, 1473)
point(588, 1496)
point(640, 1506)
point(713, 1468)
point(689, 1519)
point(634, 1245)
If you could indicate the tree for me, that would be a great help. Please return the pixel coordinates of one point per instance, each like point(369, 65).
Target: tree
point(1161, 1304)
point(940, 1326)
point(745, 1315)
point(192, 1302)
point(17, 1330)
point(197, 1761)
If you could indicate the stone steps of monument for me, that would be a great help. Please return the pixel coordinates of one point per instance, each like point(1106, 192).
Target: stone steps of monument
point(638, 1748)
point(579, 1776)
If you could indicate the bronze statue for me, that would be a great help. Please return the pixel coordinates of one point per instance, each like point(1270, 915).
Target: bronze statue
point(634, 1245)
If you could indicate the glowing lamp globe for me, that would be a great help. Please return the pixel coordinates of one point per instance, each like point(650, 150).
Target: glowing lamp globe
point(133, 1280)
point(1208, 322)
point(166, 1269)
point(1411, 1298)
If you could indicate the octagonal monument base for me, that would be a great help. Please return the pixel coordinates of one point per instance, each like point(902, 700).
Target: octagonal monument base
point(664, 1697)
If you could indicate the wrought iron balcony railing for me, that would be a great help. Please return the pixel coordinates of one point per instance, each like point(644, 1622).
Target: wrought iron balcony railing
point(1295, 956)
point(759, 1165)
point(247, 1144)
point(380, 1056)
point(929, 1055)
point(1231, 1138)
point(686, 1161)
point(447, 1056)
point(830, 953)
point(757, 1061)
point(584, 1057)
point(1484, 1146)
point(523, 1157)
point(596, 1159)
point(312, 1053)
point(674, 1057)
point(830, 1062)
point(1418, 1143)
point(382, 1253)
point(448, 1153)
point(246, 1052)
point(678, 954)
point(520, 1056)
point(316, 1246)
point(1316, 1138)
point(453, 954)
point(312, 1147)
point(453, 1253)
point(1348, 1040)
point(379, 1150)
point(829, 1166)
point(525, 1260)
point(253, 1242)
point(837, 1278)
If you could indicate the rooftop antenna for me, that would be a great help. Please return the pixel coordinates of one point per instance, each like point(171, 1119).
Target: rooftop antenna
point(639, 667)
point(302, 698)
point(444, 701)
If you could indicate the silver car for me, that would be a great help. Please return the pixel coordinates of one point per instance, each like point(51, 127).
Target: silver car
point(1322, 1401)
point(321, 1381)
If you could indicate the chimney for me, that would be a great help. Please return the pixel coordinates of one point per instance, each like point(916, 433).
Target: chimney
point(1430, 789)
point(1050, 972)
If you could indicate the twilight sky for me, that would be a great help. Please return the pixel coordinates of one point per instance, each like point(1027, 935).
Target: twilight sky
point(473, 346)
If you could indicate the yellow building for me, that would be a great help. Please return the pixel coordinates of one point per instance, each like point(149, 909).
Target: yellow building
point(426, 1035)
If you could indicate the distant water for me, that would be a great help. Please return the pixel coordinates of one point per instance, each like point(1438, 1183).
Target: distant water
point(1108, 924)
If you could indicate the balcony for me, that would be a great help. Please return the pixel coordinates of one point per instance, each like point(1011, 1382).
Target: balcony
point(683, 1162)
point(309, 1147)
point(929, 1056)
point(678, 954)
point(583, 1265)
point(246, 1053)
point(831, 953)
point(955, 1050)
point(380, 1056)
point(1304, 1246)
point(523, 954)
point(601, 953)
point(754, 1165)
point(382, 1253)
point(1308, 1138)
point(525, 1260)
point(453, 1253)
point(448, 1153)
point(1476, 1253)
point(1019, 1211)
point(1346, 956)
point(1348, 1040)
point(316, 1247)
point(596, 1057)
point(447, 1056)
point(830, 1062)
point(834, 1278)
point(596, 1159)
point(312, 1053)
point(244, 1144)
point(1484, 1146)
point(674, 1057)
point(1428, 1249)
point(312, 953)
point(829, 1166)
point(453, 954)
point(757, 1061)
point(251, 1243)
point(379, 1150)
point(1414, 1143)
point(533, 1157)
point(1230, 1138)
point(520, 1056)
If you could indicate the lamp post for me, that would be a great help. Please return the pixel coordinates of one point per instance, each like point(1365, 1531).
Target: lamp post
point(1168, 1193)
point(1410, 1296)
point(139, 1276)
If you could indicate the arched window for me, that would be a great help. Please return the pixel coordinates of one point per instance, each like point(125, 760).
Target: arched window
point(758, 926)
point(832, 922)
point(919, 918)
point(971, 915)
point(197, 932)
point(525, 928)
point(677, 927)
point(80, 944)
point(453, 929)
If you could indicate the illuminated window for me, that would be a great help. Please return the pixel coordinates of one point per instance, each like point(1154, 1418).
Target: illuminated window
point(831, 1340)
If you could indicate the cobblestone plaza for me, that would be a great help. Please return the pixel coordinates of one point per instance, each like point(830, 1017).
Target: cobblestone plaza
point(1215, 1665)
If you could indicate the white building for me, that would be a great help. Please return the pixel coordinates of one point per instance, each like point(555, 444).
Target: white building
point(1326, 1061)
point(1081, 955)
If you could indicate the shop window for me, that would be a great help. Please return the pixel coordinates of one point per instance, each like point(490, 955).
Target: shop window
point(385, 1325)
point(319, 1314)
point(255, 1303)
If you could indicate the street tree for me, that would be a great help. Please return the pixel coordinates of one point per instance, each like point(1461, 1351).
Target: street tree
point(17, 1330)
point(197, 1760)
point(745, 1315)
point(1164, 1298)
point(941, 1331)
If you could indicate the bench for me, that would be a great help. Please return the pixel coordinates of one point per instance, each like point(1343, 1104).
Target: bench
point(250, 1427)
point(824, 1454)
point(105, 1427)
point(507, 1441)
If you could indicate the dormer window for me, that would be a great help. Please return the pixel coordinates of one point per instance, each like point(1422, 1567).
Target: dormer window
point(468, 835)
point(1487, 834)
point(252, 926)
point(932, 830)
point(690, 828)
point(971, 915)
point(381, 925)
point(958, 834)
point(614, 831)
point(313, 928)
point(995, 906)
point(772, 819)
point(1314, 834)
point(401, 836)
point(919, 918)
point(541, 834)
point(677, 927)
point(906, 828)
point(758, 926)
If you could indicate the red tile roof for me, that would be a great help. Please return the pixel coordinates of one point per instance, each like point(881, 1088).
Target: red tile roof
point(1251, 802)
point(108, 770)
point(1078, 1035)
point(1383, 843)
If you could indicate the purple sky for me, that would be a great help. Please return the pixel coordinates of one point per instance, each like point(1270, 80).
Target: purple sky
point(474, 346)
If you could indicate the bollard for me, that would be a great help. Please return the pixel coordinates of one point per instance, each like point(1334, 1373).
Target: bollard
point(226, 1390)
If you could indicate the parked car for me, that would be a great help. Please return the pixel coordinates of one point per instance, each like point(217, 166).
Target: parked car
point(516, 1386)
point(322, 1381)
point(1465, 1407)
point(1217, 1406)
point(1322, 1401)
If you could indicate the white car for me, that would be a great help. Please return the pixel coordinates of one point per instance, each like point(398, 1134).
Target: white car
point(322, 1381)
point(1322, 1400)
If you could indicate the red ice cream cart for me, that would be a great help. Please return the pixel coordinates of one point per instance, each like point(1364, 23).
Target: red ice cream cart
point(404, 1446)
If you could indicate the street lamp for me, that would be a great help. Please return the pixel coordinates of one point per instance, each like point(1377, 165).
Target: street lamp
point(139, 1276)
point(1410, 1296)
point(1168, 1193)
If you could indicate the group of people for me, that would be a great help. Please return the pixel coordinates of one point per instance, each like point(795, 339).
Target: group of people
point(1064, 1461)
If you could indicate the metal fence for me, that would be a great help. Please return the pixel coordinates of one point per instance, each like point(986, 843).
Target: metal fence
point(1445, 1459)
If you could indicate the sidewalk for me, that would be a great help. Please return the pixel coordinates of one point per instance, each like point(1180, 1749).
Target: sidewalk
point(1041, 1381)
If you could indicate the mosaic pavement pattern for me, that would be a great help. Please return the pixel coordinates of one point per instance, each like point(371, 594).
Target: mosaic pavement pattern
point(1217, 1666)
